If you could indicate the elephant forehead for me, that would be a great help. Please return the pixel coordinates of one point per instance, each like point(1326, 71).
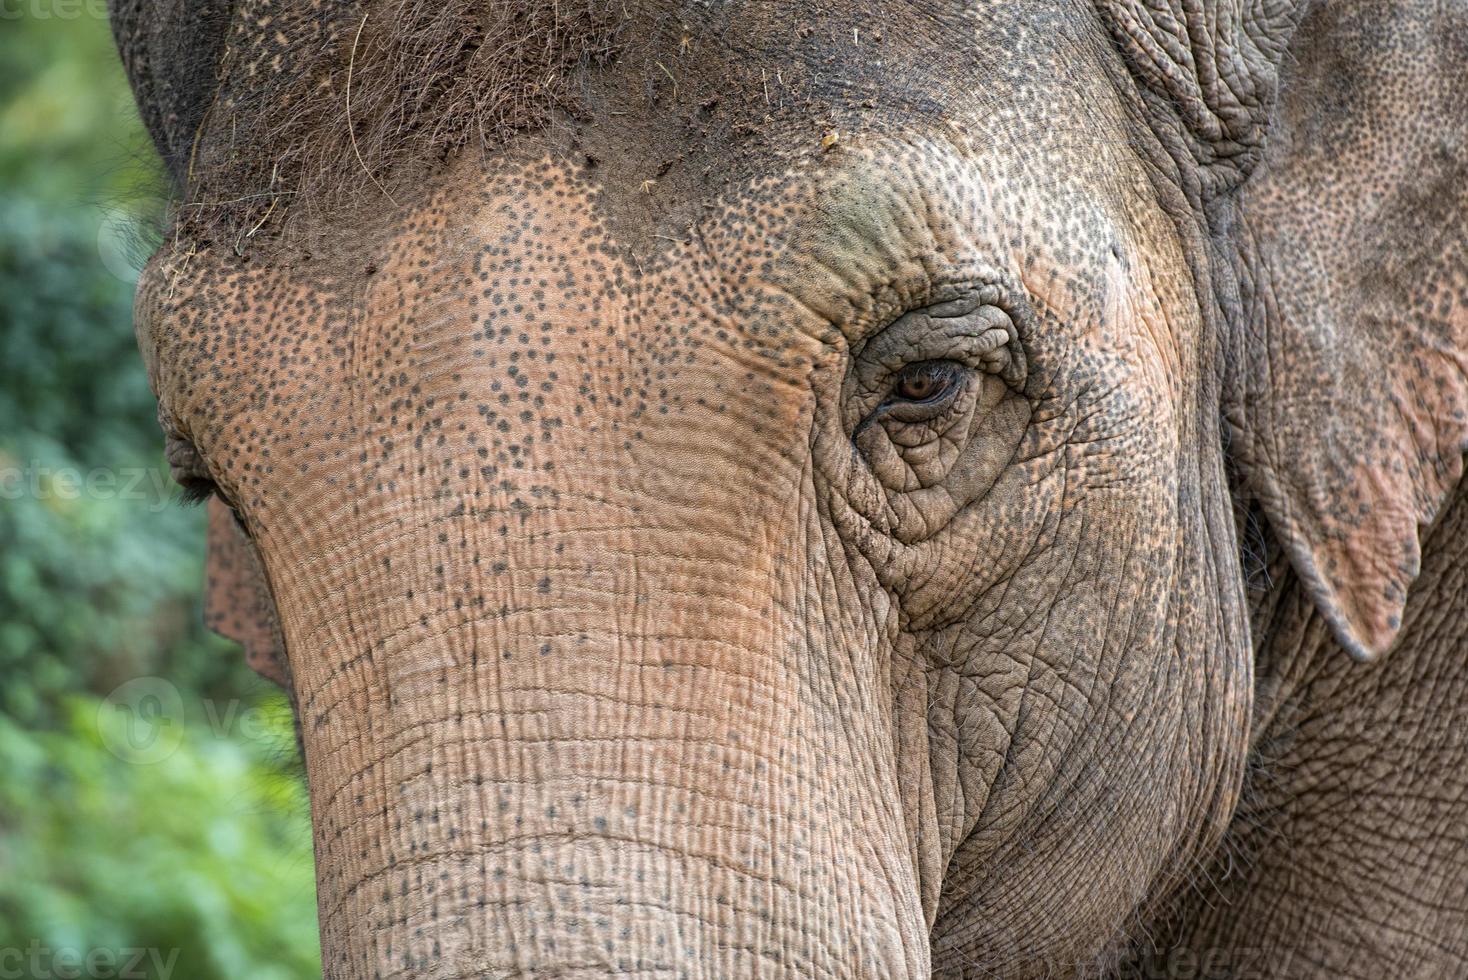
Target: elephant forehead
point(781, 270)
point(538, 252)
point(534, 237)
point(512, 294)
point(312, 95)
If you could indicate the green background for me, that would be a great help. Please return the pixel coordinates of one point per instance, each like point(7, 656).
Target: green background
point(151, 792)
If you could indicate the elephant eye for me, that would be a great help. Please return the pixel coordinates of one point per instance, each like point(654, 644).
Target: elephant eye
point(925, 381)
point(188, 470)
point(924, 390)
point(195, 483)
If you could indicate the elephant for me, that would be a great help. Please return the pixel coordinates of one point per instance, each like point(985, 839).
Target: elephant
point(952, 488)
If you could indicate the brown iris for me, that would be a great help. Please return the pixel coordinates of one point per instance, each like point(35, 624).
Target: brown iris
point(924, 382)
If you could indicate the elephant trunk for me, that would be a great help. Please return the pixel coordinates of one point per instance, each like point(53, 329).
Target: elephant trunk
point(588, 723)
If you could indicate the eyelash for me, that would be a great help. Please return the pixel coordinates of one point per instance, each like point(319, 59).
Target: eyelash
point(195, 491)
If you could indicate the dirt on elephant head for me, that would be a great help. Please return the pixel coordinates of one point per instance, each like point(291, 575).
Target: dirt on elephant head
point(318, 99)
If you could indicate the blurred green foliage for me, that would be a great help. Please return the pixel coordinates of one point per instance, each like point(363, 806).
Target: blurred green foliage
point(197, 853)
point(206, 850)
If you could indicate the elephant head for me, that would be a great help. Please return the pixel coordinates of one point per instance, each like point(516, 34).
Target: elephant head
point(750, 489)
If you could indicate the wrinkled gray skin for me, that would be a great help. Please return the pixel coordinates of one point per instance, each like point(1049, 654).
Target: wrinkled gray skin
point(846, 490)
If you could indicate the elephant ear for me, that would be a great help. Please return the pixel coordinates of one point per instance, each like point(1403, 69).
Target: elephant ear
point(171, 49)
point(1349, 411)
point(237, 601)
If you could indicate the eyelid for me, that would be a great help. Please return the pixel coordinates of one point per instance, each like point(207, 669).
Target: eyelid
point(184, 460)
point(188, 469)
point(923, 336)
point(962, 306)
